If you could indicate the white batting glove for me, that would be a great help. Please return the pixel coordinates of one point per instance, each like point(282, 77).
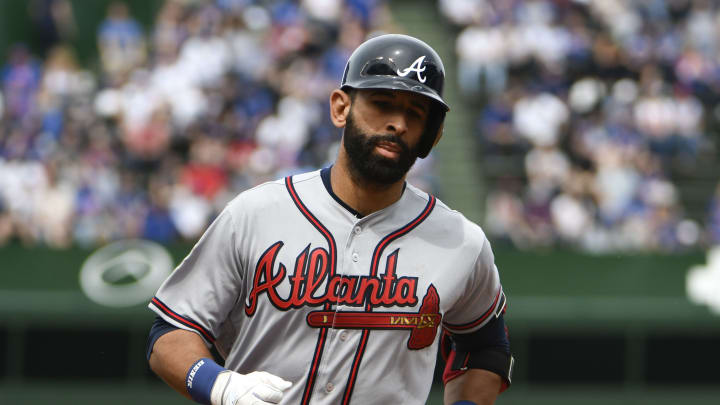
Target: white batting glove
point(256, 388)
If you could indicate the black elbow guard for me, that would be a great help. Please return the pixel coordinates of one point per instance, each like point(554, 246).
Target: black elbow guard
point(488, 348)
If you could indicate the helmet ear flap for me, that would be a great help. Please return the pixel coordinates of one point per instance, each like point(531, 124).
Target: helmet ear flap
point(439, 134)
point(433, 132)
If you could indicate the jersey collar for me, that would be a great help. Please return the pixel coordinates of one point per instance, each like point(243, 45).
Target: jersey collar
point(325, 175)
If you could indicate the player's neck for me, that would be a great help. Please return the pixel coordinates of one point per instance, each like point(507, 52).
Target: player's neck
point(362, 196)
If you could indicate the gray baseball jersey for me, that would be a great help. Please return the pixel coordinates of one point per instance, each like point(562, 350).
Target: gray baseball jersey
point(289, 281)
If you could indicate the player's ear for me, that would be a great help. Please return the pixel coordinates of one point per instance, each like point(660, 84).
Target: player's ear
point(339, 107)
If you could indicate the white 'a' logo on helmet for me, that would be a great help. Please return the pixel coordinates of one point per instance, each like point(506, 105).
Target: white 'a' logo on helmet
point(415, 67)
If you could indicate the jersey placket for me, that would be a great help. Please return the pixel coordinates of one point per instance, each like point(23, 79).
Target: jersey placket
point(333, 372)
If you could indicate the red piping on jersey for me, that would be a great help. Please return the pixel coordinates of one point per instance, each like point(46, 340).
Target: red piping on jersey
point(480, 320)
point(373, 273)
point(185, 321)
point(314, 221)
point(317, 356)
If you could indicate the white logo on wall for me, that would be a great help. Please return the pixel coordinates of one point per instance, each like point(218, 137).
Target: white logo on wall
point(415, 67)
point(125, 273)
point(703, 282)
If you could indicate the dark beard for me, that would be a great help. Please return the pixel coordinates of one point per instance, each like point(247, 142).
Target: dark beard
point(367, 166)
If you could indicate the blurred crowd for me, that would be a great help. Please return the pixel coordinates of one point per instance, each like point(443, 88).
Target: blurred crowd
point(212, 99)
point(587, 111)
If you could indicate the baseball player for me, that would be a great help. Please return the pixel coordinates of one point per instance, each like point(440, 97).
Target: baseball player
point(338, 286)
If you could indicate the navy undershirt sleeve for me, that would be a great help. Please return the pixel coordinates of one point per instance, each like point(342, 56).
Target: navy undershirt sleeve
point(159, 328)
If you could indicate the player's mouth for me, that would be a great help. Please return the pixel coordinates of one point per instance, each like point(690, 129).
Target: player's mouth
point(388, 149)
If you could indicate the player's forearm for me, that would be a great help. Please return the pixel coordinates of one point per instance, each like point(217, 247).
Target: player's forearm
point(478, 386)
point(173, 354)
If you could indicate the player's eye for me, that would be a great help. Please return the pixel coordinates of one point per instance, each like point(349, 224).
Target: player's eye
point(416, 113)
point(382, 104)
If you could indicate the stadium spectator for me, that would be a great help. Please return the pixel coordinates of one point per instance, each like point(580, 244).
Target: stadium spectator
point(53, 22)
point(121, 41)
point(20, 79)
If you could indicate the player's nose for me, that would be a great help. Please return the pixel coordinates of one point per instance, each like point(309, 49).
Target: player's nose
point(396, 123)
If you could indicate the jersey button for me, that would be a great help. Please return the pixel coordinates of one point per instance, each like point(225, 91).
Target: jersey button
point(355, 257)
point(357, 230)
point(343, 336)
point(329, 387)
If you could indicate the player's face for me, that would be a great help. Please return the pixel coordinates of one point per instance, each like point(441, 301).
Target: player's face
point(382, 133)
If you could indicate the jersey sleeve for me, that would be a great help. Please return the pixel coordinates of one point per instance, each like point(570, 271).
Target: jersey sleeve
point(482, 300)
point(204, 288)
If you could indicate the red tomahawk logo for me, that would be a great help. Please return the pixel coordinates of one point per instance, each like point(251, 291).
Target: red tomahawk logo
point(422, 324)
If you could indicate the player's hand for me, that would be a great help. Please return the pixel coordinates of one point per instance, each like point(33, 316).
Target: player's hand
point(256, 388)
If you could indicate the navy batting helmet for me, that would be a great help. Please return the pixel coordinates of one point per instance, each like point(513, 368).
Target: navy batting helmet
point(401, 62)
